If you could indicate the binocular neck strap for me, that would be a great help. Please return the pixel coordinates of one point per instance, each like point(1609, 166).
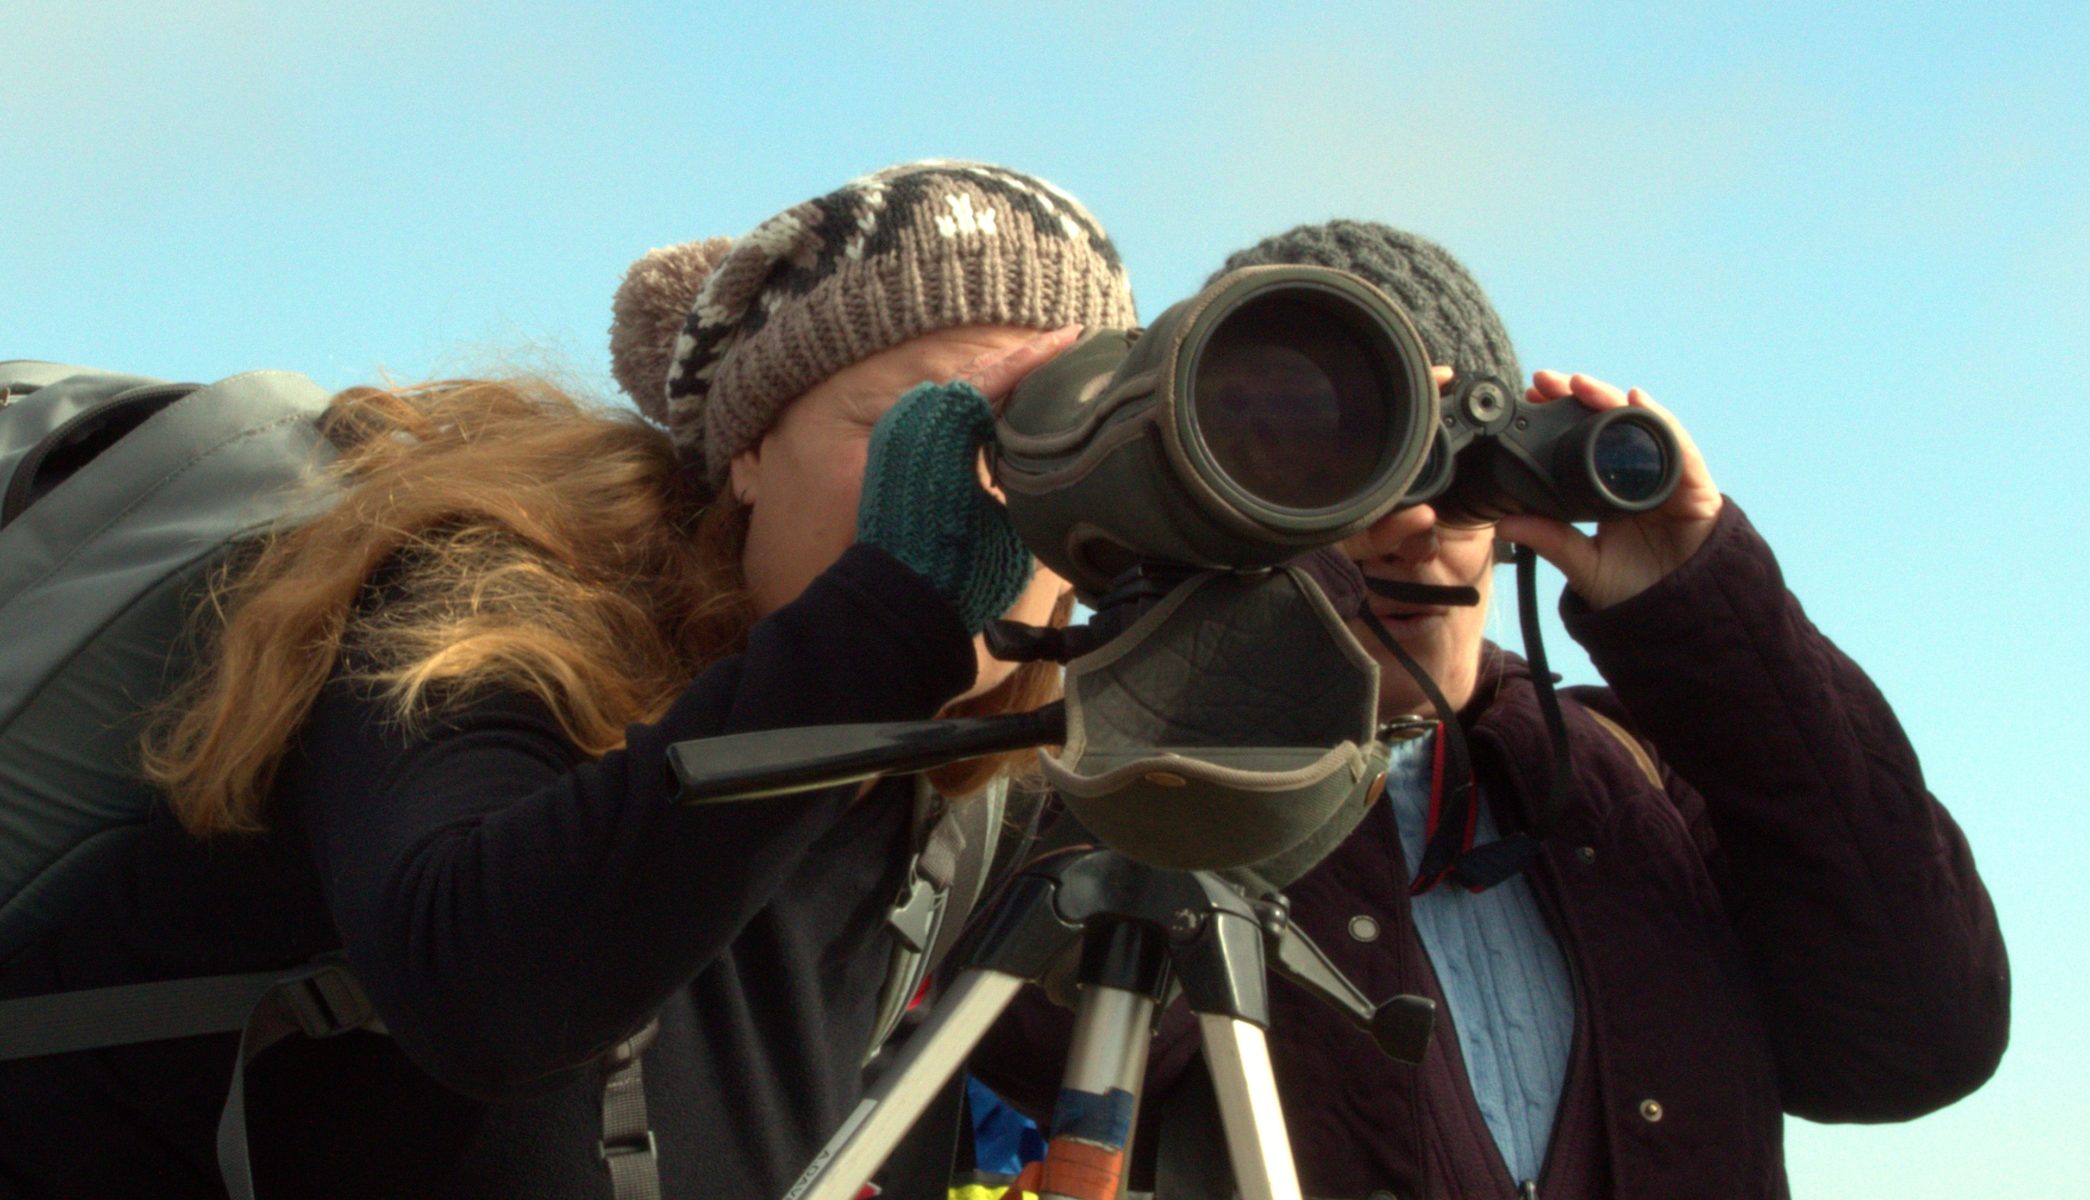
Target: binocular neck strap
point(1452, 815)
point(1562, 780)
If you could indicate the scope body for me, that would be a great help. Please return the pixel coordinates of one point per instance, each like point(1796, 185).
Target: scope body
point(1279, 410)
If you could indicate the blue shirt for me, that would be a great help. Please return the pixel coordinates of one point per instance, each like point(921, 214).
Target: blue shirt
point(1501, 972)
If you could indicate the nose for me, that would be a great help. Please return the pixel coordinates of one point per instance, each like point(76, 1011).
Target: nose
point(1405, 534)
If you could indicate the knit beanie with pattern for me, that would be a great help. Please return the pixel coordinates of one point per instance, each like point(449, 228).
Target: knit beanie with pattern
point(713, 339)
point(1458, 326)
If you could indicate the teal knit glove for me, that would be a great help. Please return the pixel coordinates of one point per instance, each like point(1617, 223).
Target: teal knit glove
point(922, 502)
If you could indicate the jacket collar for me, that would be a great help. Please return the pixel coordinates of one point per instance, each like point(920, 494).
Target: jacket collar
point(1507, 734)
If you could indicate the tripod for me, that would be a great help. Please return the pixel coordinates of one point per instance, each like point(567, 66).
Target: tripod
point(1212, 720)
point(1142, 931)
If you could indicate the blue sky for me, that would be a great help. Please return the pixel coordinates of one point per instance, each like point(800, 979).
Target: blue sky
point(1848, 248)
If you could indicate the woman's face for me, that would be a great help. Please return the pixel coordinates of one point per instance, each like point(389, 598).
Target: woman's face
point(802, 478)
point(1408, 545)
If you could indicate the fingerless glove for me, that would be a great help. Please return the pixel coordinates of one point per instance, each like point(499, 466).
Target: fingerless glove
point(923, 504)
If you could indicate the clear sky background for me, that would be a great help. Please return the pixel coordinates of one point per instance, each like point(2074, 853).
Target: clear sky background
point(1848, 250)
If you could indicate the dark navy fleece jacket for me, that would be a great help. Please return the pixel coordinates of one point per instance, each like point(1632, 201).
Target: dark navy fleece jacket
point(513, 910)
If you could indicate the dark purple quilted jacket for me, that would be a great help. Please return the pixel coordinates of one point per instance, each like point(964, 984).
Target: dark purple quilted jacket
point(1790, 924)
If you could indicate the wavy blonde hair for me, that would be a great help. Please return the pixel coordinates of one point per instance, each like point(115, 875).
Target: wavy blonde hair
point(524, 541)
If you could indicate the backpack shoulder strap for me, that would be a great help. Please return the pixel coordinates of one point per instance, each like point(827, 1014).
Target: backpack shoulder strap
point(953, 857)
point(1632, 744)
point(978, 822)
point(264, 1007)
point(322, 999)
point(628, 1150)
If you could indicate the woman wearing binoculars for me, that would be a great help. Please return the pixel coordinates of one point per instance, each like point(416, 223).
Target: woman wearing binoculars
point(430, 731)
point(1747, 905)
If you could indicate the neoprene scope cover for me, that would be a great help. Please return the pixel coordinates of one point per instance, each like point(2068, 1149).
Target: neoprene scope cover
point(1226, 726)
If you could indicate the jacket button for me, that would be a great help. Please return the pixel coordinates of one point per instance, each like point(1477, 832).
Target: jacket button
point(1650, 1111)
point(1382, 1194)
point(1588, 854)
point(1364, 929)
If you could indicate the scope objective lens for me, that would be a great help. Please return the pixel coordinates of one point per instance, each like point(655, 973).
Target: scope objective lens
point(1292, 400)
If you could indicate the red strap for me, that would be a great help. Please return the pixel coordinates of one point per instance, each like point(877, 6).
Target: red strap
point(1425, 883)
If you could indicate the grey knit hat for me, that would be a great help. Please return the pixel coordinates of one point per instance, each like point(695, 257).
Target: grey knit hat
point(1458, 326)
point(713, 339)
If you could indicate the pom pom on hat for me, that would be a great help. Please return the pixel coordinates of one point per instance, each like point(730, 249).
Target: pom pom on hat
point(647, 315)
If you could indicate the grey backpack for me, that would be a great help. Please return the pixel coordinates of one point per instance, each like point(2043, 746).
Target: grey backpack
point(118, 495)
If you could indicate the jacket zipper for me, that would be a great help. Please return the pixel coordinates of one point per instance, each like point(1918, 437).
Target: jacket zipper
point(1549, 902)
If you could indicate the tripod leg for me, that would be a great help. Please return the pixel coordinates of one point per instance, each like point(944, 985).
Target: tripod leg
point(1239, 1058)
point(1092, 1121)
point(891, 1106)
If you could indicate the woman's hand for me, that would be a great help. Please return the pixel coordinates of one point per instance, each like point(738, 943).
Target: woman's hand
point(917, 502)
point(1630, 554)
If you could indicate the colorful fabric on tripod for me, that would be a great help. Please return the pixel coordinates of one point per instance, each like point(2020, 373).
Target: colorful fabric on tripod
point(1503, 976)
point(1003, 1139)
point(1085, 1160)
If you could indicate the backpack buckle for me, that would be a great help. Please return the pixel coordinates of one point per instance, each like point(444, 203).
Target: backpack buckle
point(917, 912)
point(327, 1000)
point(624, 1147)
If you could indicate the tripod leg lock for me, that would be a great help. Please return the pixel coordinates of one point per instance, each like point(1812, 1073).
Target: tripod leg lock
point(1221, 969)
point(1402, 1027)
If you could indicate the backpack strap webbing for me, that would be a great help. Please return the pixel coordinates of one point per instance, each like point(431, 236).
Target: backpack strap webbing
point(265, 1007)
point(321, 1000)
point(627, 1148)
point(97, 1018)
point(954, 848)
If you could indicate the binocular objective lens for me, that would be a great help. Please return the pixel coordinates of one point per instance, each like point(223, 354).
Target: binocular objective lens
point(1629, 461)
point(1293, 400)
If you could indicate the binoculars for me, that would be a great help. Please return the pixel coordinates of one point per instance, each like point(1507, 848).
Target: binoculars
point(1281, 409)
